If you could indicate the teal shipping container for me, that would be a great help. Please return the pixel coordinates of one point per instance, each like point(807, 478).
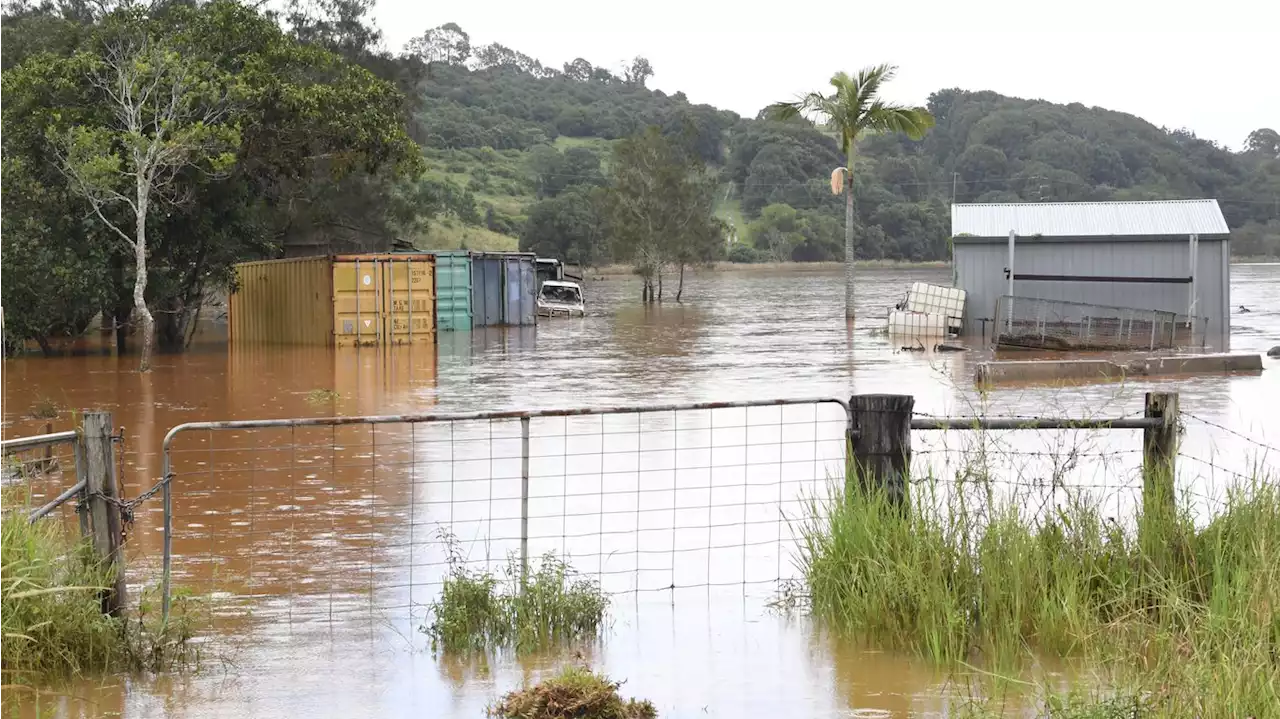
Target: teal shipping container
point(453, 290)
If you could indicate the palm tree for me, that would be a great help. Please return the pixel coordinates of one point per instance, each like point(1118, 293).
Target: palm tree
point(852, 110)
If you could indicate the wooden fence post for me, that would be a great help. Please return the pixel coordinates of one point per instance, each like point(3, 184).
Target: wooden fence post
point(1159, 453)
point(880, 444)
point(102, 491)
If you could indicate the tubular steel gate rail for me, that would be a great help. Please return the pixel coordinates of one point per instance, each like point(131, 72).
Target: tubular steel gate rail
point(645, 498)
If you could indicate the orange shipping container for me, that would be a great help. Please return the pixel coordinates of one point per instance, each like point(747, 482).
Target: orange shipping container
point(344, 300)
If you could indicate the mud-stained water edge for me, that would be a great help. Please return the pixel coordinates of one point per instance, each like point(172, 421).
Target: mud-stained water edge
point(319, 548)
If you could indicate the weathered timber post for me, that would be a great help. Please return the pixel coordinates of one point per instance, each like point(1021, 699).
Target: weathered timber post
point(1159, 452)
point(105, 514)
point(880, 444)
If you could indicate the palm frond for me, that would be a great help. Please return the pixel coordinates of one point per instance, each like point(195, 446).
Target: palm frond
point(888, 117)
point(854, 107)
point(870, 79)
point(783, 111)
point(810, 104)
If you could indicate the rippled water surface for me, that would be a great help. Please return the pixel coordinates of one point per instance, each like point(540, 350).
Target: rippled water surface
point(319, 547)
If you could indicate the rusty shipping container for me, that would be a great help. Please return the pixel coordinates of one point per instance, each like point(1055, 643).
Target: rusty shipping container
point(343, 300)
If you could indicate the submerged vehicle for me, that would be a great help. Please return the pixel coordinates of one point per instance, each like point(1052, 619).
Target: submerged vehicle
point(560, 299)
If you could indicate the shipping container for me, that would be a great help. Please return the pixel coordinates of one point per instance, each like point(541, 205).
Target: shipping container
point(453, 290)
point(282, 302)
point(521, 307)
point(504, 289)
point(341, 301)
point(486, 290)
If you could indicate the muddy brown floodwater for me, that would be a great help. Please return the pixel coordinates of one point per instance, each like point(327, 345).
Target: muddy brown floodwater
point(316, 550)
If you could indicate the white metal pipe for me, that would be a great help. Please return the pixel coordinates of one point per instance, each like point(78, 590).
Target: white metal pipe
point(1009, 320)
point(1191, 301)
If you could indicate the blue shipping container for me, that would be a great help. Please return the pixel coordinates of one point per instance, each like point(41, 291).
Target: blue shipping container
point(522, 291)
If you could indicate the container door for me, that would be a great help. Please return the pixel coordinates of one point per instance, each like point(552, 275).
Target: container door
point(358, 308)
point(486, 294)
point(453, 292)
point(528, 292)
point(511, 291)
point(408, 301)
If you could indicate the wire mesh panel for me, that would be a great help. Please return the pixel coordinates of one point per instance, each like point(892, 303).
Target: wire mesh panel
point(1036, 472)
point(299, 523)
point(1060, 325)
point(34, 476)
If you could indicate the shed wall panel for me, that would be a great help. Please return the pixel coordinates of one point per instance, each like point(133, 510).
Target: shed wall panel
point(980, 271)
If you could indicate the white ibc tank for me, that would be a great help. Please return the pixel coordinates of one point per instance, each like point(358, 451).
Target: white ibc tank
point(936, 299)
point(906, 322)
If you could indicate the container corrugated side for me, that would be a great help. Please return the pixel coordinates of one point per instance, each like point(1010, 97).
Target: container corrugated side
point(282, 302)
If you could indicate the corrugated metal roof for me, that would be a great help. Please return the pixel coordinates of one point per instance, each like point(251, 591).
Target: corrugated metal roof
point(1090, 219)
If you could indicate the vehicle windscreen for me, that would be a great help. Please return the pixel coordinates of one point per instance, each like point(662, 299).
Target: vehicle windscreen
point(568, 295)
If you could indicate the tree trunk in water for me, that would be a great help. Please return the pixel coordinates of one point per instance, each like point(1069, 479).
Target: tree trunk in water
point(659, 285)
point(680, 287)
point(848, 241)
point(194, 324)
point(146, 324)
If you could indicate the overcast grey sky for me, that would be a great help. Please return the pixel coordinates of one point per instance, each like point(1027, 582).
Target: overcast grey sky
point(1210, 67)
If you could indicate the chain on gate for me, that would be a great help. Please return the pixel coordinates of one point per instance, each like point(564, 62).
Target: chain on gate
point(124, 506)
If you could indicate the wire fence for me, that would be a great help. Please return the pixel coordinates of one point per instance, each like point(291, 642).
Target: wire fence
point(1060, 325)
point(298, 521)
point(308, 522)
point(37, 471)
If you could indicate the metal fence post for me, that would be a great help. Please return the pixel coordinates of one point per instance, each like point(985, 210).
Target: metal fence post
point(1159, 452)
point(524, 498)
point(102, 493)
point(82, 476)
point(880, 441)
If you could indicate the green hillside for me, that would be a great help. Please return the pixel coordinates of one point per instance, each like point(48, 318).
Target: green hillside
point(493, 129)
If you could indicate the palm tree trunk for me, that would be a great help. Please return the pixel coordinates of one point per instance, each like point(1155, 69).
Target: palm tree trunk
point(848, 240)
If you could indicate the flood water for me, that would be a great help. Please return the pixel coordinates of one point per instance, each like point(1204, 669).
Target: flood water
point(316, 550)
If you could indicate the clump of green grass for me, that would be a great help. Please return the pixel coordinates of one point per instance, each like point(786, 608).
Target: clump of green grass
point(44, 408)
point(478, 611)
point(49, 604)
point(322, 396)
point(1191, 615)
point(51, 611)
point(574, 693)
point(1069, 705)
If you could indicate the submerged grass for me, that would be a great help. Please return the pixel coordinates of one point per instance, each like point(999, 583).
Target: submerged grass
point(51, 611)
point(478, 611)
point(1190, 618)
point(574, 693)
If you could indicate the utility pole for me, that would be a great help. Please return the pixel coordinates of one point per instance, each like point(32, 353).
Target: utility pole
point(955, 178)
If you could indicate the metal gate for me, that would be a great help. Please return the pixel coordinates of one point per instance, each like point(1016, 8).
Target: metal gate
point(301, 519)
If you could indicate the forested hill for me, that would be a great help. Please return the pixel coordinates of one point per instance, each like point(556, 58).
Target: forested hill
point(513, 134)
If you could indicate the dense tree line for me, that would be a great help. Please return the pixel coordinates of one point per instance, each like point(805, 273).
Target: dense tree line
point(147, 151)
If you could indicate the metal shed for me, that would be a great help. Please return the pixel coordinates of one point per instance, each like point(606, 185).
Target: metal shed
point(1167, 262)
